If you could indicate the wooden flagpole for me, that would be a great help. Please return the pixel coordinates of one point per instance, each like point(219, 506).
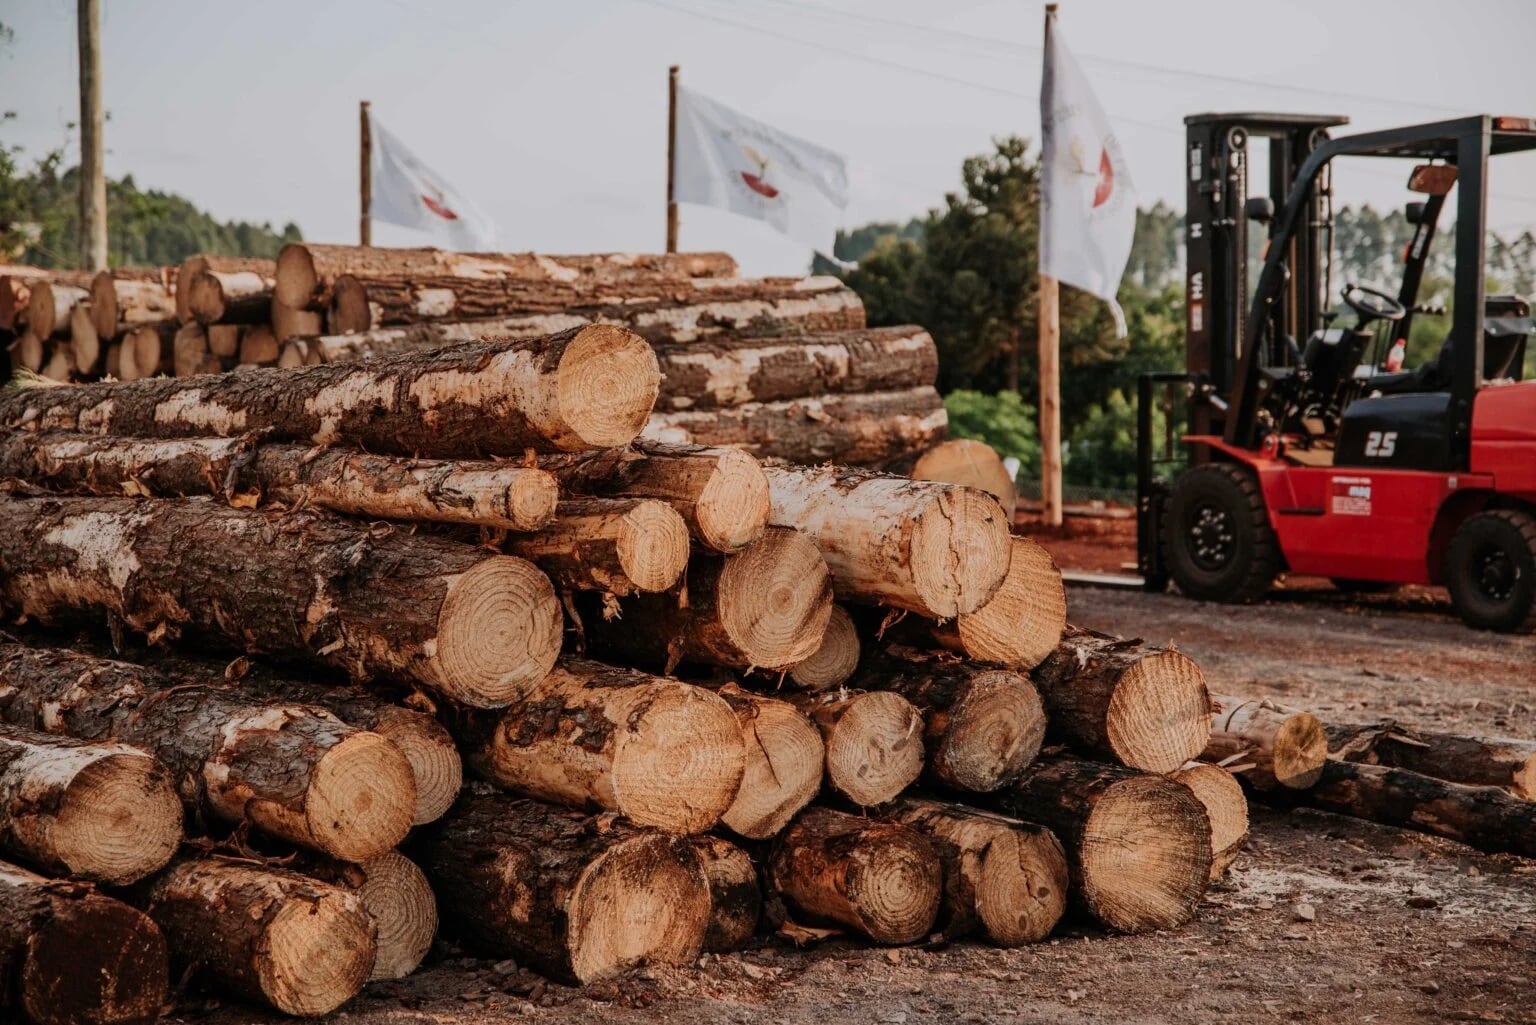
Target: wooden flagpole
point(1050, 375)
point(365, 177)
point(672, 158)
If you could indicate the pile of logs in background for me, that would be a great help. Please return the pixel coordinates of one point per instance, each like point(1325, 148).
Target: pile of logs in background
point(265, 622)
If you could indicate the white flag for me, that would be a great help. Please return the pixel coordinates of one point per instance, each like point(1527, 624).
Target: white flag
point(409, 193)
point(1087, 201)
point(728, 160)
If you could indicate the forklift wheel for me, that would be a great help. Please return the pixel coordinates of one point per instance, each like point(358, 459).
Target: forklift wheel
point(1490, 569)
point(1218, 540)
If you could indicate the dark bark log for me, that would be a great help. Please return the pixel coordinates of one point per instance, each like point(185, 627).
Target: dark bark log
point(1479, 761)
point(736, 898)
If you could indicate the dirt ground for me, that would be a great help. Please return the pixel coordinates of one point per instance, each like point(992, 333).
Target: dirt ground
point(1324, 919)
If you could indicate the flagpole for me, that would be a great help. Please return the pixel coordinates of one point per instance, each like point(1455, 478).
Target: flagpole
point(672, 158)
point(365, 177)
point(1050, 375)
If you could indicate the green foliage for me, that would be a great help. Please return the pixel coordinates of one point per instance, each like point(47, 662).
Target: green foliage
point(1101, 449)
point(853, 246)
point(1003, 421)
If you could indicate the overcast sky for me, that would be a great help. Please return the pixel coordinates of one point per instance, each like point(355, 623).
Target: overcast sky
point(551, 114)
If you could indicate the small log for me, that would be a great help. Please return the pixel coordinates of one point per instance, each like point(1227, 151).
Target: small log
point(1145, 707)
point(931, 548)
point(735, 897)
point(70, 956)
point(478, 627)
point(1019, 626)
point(1139, 845)
point(125, 299)
point(222, 267)
point(229, 297)
point(880, 878)
point(874, 742)
point(84, 340)
point(1003, 878)
point(835, 659)
point(1267, 745)
point(289, 323)
point(578, 897)
point(619, 545)
point(661, 753)
point(188, 349)
point(1225, 806)
point(112, 363)
point(294, 943)
point(259, 347)
point(147, 350)
point(784, 766)
point(398, 898)
point(971, 463)
point(1497, 762)
point(60, 365)
point(48, 306)
point(15, 290)
point(224, 340)
point(27, 352)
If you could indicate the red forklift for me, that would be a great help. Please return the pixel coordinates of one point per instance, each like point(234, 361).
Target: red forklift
point(1305, 449)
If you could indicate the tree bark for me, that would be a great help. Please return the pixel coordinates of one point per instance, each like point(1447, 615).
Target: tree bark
point(1019, 626)
point(835, 659)
point(785, 759)
point(983, 725)
point(881, 878)
point(619, 545)
point(1497, 762)
point(398, 898)
point(221, 266)
point(229, 297)
point(124, 299)
point(1225, 807)
point(867, 429)
point(578, 897)
point(104, 812)
point(1267, 745)
point(1003, 878)
point(1138, 845)
point(478, 627)
point(581, 389)
point(48, 306)
point(299, 945)
point(735, 897)
point(931, 548)
point(69, 956)
point(1144, 707)
point(874, 742)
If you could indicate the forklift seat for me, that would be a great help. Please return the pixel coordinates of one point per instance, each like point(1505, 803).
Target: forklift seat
point(1507, 325)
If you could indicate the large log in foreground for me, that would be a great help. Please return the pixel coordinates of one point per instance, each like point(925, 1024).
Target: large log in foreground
point(574, 895)
point(397, 896)
point(874, 742)
point(785, 761)
point(69, 956)
point(1019, 626)
point(1267, 745)
point(587, 388)
point(1496, 762)
point(478, 627)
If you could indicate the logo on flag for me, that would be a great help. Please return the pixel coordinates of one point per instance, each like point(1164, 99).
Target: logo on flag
point(409, 193)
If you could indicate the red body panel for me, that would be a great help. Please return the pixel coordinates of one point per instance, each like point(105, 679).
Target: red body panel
point(1504, 437)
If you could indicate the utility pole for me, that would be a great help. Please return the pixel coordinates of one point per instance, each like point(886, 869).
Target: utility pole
point(365, 177)
point(93, 182)
point(1050, 372)
point(672, 158)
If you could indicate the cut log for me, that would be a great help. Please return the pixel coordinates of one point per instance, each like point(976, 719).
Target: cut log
point(736, 898)
point(104, 812)
point(1139, 845)
point(1144, 707)
point(60, 365)
point(259, 346)
point(188, 349)
point(1003, 878)
point(124, 299)
point(661, 753)
point(765, 607)
point(1267, 745)
point(14, 293)
point(1225, 806)
point(398, 898)
point(70, 956)
point(48, 306)
point(238, 297)
point(1019, 626)
point(478, 627)
point(874, 742)
point(224, 340)
point(880, 878)
point(932, 548)
point(222, 267)
point(84, 340)
point(297, 944)
point(835, 659)
point(721, 493)
point(971, 463)
point(147, 350)
point(27, 352)
point(581, 389)
point(983, 724)
point(112, 364)
point(865, 429)
point(619, 545)
point(784, 766)
point(576, 896)
point(288, 323)
point(1497, 762)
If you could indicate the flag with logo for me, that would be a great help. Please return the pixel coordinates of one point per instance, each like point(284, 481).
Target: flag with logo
point(1087, 201)
point(409, 193)
point(728, 160)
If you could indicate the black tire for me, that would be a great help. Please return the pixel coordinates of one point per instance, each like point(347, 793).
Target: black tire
point(1490, 570)
point(1364, 586)
point(1217, 537)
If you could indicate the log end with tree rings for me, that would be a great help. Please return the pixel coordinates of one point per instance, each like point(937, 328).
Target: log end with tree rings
point(499, 632)
point(732, 508)
point(785, 763)
point(349, 306)
point(361, 798)
point(1144, 857)
point(436, 766)
point(652, 546)
point(295, 279)
point(1021, 887)
point(205, 298)
point(1159, 714)
point(317, 954)
point(119, 819)
point(972, 463)
point(396, 893)
point(190, 268)
point(959, 552)
point(531, 499)
point(835, 659)
point(774, 599)
point(104, 314)
point(736, 897)
point(875, 747)
point(1226, 807)
point(680, 762)
point(1300, 751)
point(607, 383)
point(1022, 623)
point(992, 734)
point(95, 961)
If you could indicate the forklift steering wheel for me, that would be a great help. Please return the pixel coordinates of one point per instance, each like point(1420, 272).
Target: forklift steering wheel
point(1371, 304)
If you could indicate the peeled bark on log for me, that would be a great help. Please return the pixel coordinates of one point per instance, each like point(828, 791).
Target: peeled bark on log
point(581, 389)
point(70, 956)
point(1225, 807)
point(1267, 745)
point(931, 548)
point(1145, 707)
point(294, 771)
point(983, 724)
point(971, 463)
point(785, 759)
point(765, 607)
point(398, 898)
point(735, 897)
point(229, 297)
point(299, 945)
point(852, 429)
point(874, 742)
point(1004, 878)
point(239, 470)
point(880, 878)
point(1139, 845)
point(220, 266)
point(84, 341)
point(1480, 761)
point(721, 493)
point(574, 895)
point(659, 752)
point(104, 812)
point(48, 306)
point(835, 659)
point(478, 627)
point(1019, 626)
point(121, 300)
point(619, 545)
